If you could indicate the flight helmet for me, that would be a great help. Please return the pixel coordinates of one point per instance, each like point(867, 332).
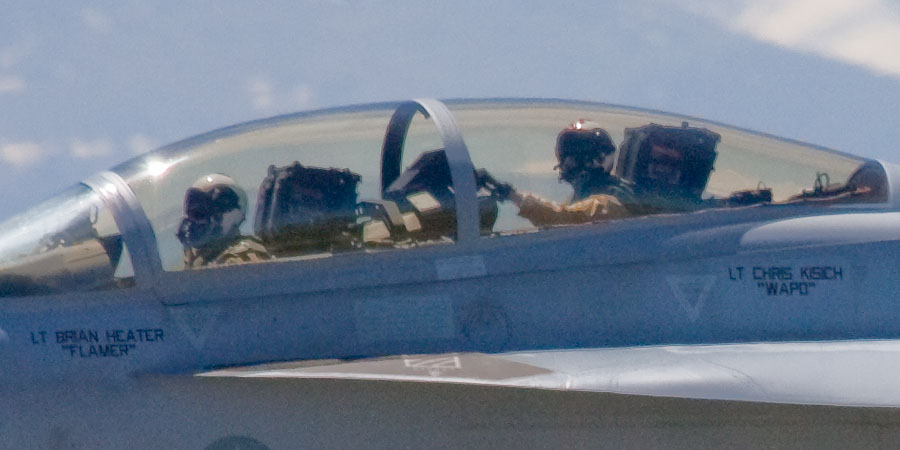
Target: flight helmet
point(668, 161)
point(214, 208)
point(582, 148)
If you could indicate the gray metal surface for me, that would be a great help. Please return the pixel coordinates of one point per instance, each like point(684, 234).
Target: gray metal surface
point(848, 373)
point(192, 414)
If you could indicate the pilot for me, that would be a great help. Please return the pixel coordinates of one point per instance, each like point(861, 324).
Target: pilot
point(583, 152)
point(214, 208)
point(669, 167)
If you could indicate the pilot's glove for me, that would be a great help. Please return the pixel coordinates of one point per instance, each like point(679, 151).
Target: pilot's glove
point(503, 190)
point(499, 189)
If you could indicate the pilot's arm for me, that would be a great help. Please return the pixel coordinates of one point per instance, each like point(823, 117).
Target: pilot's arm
point(246, 250)
point(543, 213)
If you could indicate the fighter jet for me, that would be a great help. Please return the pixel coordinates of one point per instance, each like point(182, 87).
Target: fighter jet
point(467, 273)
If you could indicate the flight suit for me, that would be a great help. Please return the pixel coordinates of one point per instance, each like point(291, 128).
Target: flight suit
point(601, 197)
point(241, 250)
point(542, 213)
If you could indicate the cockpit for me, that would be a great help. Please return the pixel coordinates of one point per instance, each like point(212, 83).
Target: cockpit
point(396, 177)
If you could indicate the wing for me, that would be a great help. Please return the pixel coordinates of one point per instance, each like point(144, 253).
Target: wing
point(846, 373)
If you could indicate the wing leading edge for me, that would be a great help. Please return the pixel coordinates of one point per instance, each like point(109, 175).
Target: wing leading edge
point(844, 373)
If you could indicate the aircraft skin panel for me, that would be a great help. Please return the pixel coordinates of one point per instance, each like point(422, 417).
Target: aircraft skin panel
point(823, 230)
point(217, 413)
point(785, 372)
point(575, 301)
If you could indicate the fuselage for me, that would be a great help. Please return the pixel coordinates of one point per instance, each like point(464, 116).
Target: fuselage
point(99, 311)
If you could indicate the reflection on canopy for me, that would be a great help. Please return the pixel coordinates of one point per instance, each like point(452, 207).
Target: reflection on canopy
point(659, 164)
point(67, 244)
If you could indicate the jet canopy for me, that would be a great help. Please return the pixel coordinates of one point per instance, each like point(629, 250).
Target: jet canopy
point(397, 177)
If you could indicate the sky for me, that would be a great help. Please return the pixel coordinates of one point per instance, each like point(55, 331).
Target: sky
point(86, 85)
